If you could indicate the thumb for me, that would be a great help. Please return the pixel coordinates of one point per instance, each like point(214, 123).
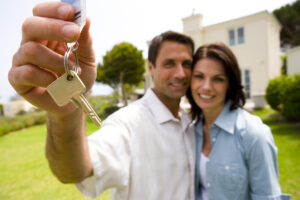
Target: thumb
point(85, 50)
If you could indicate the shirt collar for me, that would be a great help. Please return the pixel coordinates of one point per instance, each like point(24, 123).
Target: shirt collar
point(226, 119)
point(161, 113)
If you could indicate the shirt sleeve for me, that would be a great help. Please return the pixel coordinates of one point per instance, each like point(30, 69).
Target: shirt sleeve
point(109, 150)
point(261, 156)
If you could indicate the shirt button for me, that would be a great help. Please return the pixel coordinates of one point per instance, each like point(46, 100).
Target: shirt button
point(227, 167)
point(214, 139)
point(207, 185)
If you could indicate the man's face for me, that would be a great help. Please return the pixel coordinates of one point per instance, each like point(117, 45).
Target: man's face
point(172, 71)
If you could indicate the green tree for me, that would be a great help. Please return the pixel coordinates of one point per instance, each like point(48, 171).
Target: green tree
point(289, 17)
point(122, 65)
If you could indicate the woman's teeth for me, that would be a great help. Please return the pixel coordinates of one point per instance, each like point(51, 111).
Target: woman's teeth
point(205, 96)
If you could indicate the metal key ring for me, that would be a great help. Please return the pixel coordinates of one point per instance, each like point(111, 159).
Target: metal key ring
point(70, 49)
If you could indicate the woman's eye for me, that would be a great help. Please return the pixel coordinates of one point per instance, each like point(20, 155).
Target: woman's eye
point(219, 79)
point(199, 76)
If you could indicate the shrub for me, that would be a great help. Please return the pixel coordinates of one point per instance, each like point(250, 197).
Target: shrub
point(9, 124)
point(274, 91)
point(290, 98)
point(101, 103)
point(109, 110)
point(1, 109)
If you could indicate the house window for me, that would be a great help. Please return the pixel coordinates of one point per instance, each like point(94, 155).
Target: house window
point(236, 36)
point(240, 32)
point(247, 83)
point(231, 38)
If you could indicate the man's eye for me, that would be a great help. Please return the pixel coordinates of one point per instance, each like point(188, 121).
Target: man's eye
point(169, 64)
point(187, 64)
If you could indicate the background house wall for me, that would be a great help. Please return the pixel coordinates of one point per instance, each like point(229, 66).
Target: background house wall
point(13, 107)
point(293, 61)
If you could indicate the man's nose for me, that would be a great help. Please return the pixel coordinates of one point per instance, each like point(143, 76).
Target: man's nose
point(180, 72)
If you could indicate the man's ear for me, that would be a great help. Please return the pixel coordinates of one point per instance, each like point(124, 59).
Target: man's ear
point(150, 68)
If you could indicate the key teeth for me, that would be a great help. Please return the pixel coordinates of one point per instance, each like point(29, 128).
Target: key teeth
point(95, 118)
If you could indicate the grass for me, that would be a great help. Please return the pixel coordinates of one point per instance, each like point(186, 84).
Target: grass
point(287, 139)
point(24, 172)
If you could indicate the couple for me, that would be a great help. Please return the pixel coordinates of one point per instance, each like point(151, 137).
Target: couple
point(150, 149)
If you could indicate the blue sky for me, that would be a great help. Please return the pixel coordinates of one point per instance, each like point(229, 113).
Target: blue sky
point(115, 21)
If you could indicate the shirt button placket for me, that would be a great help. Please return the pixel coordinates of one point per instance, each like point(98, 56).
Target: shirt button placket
point(214, 139)
point(227, 167)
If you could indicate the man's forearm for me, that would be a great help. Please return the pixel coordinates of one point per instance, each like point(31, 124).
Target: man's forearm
point(67, 148)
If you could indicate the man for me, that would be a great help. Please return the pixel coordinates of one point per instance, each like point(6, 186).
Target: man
point(143, 151)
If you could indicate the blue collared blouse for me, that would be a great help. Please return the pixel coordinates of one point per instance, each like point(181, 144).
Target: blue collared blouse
point(243, 162)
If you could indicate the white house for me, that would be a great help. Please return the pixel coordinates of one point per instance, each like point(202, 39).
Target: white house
point(293, 61)
point(255, 41)
point(15, 106)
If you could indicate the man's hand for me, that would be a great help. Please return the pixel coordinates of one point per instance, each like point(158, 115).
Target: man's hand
point(40, 58)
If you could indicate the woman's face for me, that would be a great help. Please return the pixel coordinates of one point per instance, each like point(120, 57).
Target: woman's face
point(209, 85)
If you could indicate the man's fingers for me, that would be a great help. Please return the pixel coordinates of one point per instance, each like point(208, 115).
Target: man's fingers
point(46, 58)
point(85, 51)
point(56, 10)
point(25, 78)
point(39, 28)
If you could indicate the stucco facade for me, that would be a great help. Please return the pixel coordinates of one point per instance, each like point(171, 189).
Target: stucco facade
point(14, 107)
point(293, 61)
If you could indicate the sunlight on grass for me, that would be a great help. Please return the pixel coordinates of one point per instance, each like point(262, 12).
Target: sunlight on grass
point(24, 170)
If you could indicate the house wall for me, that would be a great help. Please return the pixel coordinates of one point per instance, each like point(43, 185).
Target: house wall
point(14, 107)
point(192, 26)
point(293, 61)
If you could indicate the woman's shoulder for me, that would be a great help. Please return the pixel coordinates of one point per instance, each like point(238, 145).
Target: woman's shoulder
point(250, 126)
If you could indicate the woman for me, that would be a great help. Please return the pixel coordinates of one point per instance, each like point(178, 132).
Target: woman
point(236, 154)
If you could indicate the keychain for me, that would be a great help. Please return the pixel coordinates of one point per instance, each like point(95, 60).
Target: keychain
point(80, 19)
point(69, 87)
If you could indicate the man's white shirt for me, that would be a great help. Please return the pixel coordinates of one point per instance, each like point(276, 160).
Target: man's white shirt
point(143, 152)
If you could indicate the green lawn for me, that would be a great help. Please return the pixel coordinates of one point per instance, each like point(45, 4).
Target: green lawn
point(24, 172)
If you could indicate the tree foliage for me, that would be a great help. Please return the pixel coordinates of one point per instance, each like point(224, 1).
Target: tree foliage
point(123, 64)
point(289, 17)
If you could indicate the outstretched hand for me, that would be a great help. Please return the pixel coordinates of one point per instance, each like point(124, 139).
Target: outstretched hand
point(40, 58)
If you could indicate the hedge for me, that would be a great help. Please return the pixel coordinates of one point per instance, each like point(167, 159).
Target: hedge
point(273, 92)
point(283, 94)
point(290, 98)
point(9, 124)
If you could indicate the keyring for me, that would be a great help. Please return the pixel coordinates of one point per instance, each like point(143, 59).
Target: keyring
point(71, 48)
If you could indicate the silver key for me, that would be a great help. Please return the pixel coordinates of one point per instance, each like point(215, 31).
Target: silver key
point(70, 88)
